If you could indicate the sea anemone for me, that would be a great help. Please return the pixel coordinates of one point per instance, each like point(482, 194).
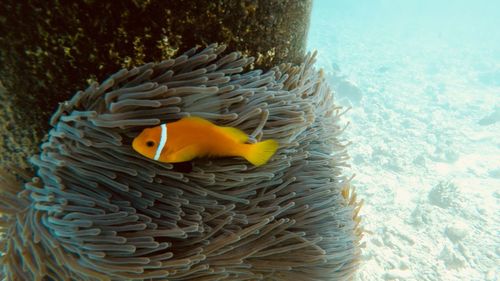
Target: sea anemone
point(97, 210)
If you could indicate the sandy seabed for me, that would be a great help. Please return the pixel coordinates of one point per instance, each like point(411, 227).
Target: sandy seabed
point(424, 86)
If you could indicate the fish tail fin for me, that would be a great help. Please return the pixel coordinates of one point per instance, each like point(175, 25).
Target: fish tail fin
point(259, 153)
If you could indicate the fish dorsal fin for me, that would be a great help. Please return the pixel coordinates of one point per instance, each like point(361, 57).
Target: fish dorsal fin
point(197, 119)
point(235, 133)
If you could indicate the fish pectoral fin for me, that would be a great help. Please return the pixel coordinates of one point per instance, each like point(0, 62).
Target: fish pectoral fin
point(236, 134)
point(185, 154)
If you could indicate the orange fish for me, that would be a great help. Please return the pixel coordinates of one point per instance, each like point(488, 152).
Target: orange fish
point(193, 137)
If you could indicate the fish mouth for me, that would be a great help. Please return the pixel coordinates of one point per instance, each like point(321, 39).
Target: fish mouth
point(135, 146)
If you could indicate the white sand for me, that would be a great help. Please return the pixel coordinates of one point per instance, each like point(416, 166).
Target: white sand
point(424, 84)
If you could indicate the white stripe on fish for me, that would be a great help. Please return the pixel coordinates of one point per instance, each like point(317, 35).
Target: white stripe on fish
point(163, 141)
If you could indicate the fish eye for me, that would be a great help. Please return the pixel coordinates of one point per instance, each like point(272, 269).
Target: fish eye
point(150, 143)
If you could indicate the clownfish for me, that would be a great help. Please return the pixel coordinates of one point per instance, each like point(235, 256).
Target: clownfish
point(193, 137)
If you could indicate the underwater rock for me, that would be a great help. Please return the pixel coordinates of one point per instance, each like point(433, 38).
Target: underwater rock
point(456, 231)
point(350, 91)
point(444, 195)
point(494, 173)
point(445, 152)
point(97, 210)
point(420, 160)
point(452, 258)
point(345, 90)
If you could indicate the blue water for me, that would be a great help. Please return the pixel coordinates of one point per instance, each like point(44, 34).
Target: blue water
point(422, 79)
